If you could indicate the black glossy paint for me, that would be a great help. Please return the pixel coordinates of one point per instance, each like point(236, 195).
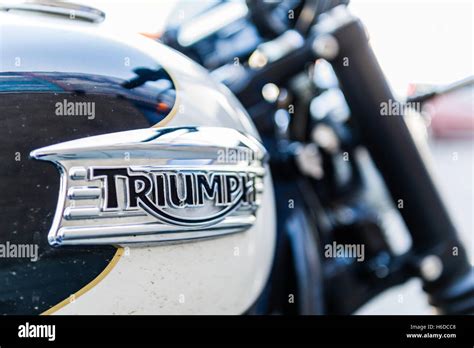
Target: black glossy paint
point(41, 67)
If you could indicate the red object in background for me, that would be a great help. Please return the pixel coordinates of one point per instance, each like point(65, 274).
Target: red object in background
point(162, 107)
point(452, 114)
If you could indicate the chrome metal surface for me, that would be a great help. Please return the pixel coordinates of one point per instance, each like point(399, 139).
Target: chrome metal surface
point(59, 8)
point(154, 185)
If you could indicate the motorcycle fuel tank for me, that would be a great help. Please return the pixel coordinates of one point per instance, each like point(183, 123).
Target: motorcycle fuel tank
point(132, 181)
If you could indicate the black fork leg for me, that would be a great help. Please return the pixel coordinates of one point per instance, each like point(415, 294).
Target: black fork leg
point(342, 40)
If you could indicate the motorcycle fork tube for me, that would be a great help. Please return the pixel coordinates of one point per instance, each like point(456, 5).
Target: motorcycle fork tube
point(387, 138)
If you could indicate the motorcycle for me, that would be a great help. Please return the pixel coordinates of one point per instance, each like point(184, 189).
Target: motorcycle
point(257, 185)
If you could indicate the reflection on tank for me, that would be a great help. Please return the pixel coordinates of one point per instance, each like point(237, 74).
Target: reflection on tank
point(152, 91)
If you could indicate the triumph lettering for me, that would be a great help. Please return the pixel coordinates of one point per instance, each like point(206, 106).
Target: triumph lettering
point(158, 192)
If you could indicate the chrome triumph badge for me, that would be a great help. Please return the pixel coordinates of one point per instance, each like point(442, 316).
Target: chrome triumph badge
point(153, 185)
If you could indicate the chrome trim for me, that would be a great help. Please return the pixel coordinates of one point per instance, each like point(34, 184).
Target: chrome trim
point(84, 192)
point(142, 233)
point(155, 185)
point(65, 9)
point(77, 173)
